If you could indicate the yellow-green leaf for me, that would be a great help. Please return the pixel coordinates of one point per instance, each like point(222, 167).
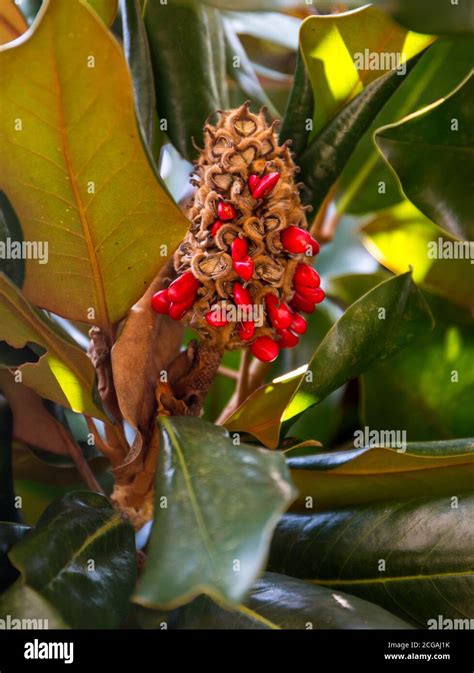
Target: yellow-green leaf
point(106, 9)
point(64, 373)
point(75, 171)
point(402, 236)
point(335, 46)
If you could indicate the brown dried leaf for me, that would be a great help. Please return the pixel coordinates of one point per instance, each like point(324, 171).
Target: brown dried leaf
point(146, 346)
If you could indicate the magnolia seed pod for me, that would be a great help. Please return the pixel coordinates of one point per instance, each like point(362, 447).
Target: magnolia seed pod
point(248, 236)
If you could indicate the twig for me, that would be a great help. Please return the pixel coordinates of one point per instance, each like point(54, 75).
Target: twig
point(257, 372)
point(228, 372)
point(81, 463)
point(319, 227)
point(243, 380)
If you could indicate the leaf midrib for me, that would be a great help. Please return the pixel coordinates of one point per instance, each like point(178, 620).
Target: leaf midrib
point(384, 580)
point(102, 530)
point(102, 312)
point(206, 540)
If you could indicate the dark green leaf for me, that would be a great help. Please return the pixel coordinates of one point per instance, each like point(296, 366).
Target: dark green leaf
point(440, 17)
point(10, 533)
point(367, 183)
point(414, 558)
point(324, 159)
point(8, 511)
point(21, 602)
point(188, 58)
point(299, 110)
point(10, 230)
point(428, 389)
point(280, 602)
point(80, 558)
point(378, 473)
point(440, 135)
point(215, 509)
point(358, 339)
point(137, 53)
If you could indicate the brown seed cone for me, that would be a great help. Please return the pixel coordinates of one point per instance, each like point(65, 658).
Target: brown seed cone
point(239, 145)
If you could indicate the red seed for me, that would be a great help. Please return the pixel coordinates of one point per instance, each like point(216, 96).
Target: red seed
point(266, 185)
point(241, 295)
point(306, 276)
point(313, 294)
point(280, 315)
point(298, 324)
point(179, 309)
point(238, 248)
point(160, 302)
point(183, 288)
point(254, 181)
point(215, 227)
point(216, 319)
point(264, 348)
point(244, 267)
point(301, 304)
point(287, 338)
point(295, 240)
point(226, 211)
point(314, 245)
point(247, 330)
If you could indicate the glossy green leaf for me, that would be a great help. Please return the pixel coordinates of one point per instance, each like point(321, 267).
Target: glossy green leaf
point(280, 602)
point(241, 69)
point(137, 53)
point(10, 230)
point(441, 134)
point(333, 45)
point(357, 340)
point(63, 373)
point(403, 235)
point(21, 602)
point(299, 109)
point(367, 183)
point(80, 558)
point(428, 389)
point(432, 16)
point(8, 511)
point(75, 170)
point(324, 159)
point(378, 473)
point(215, 509)
point(414, 557)
point(10, 534)
point(188, 58)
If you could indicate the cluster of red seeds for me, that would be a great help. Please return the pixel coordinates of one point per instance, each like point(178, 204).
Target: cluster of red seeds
point(288, 323)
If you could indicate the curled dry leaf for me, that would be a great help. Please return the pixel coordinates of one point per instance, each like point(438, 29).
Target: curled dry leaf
point(145, 347)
